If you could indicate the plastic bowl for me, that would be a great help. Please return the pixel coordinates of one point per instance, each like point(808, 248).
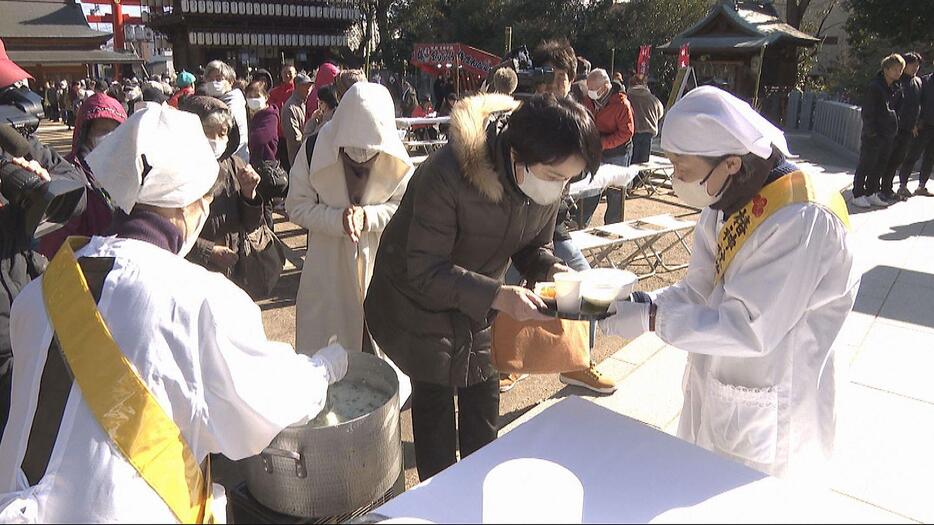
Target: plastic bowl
point(602, 286)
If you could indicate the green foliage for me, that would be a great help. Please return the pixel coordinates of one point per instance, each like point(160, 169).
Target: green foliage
point(874, 31)
point(874, 21)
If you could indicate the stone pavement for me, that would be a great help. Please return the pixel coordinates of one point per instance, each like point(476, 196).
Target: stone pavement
point(884, 457)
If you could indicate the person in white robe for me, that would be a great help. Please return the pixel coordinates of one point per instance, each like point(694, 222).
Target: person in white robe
point(763, 300)
point(194, 338)
point(345, 197)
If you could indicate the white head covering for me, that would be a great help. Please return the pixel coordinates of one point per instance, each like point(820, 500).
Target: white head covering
point(711, 122)
point(363, 124)
point(183, 168)
point(364, 119)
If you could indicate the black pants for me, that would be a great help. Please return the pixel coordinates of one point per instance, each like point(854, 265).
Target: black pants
point(922, 144)
point(900, 149)
point(436, 431)
point(873, 159)
point(6, 388)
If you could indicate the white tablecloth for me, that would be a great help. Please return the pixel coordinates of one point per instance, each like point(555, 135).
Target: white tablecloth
point(630, 473)
point(608, 175)
point(407, 122)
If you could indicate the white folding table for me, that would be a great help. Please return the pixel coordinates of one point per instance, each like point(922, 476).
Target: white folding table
point(630, 472)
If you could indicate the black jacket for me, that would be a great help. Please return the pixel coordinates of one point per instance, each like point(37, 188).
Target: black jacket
point(908, 104)
point(443, 256)
point(880, 118)
point(18, 263)
point(927, 100)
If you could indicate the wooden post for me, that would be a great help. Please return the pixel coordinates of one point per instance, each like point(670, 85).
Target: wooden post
point(508, 39)
point(119, 35)
point(755, 95)
point(612, 62)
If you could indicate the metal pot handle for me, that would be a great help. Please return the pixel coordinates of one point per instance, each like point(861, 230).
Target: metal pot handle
point(300, 471)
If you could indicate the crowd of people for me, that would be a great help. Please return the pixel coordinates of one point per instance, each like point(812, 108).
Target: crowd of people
point(411, 265)
point(898, 130)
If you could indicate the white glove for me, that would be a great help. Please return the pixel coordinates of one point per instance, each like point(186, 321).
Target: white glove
point(631, 320)
point(334, 360)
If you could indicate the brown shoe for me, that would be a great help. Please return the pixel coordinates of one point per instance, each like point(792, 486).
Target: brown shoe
point(922, 192)
point(509, 381)
point(591, 379)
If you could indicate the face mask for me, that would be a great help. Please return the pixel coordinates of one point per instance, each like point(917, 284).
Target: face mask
point(543, 192)
point(594, 95)
point(695, 193)
point(219, 146)
point(256, 104)
point(360, 155)
point(216, 88)
point(193, 235)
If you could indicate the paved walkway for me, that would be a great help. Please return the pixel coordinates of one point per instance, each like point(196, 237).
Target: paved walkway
point(884, 454)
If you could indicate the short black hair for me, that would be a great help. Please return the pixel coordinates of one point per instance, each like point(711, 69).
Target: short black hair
point(557, 54)
point(546, 130)
point(912, 58)
point(326, 95)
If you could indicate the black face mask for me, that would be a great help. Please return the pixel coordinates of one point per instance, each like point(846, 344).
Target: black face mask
point(356, 174)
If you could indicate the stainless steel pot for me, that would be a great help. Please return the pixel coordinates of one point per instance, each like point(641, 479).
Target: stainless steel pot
point(319, 471)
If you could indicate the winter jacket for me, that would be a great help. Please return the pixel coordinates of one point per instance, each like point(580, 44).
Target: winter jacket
point(264, 136)
point(442, 258)
point(927, 100)
point(647, 110)
point(615, 121)
point(231, 216)
point(237, 104)
point(879, 116)
point(98, 214)
point(908, 104)
point(18, 263)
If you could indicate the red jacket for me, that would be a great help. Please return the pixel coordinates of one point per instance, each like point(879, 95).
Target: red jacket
point(186, 91)
point(279, 94)
point(614, 121)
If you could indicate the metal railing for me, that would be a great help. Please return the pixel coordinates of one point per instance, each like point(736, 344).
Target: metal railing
point(839, 123)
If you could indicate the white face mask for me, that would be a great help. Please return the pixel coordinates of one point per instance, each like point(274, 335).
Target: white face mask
point(543, 192)
point(193, 235)
point(256, 104)
point(216, 88)
point(695, 193)
point(360, 155)
point(219, 146)
point(594, 95)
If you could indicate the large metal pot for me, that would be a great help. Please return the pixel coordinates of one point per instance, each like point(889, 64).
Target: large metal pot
point(318, 471)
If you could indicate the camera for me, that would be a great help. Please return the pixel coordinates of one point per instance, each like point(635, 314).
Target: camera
point(45, 205)
point(21, 108)
point(530, 77)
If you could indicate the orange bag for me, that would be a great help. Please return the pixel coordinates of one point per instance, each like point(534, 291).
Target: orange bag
point(550, 347)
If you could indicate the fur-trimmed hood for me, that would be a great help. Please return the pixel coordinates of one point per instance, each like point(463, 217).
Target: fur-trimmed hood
point(469, 120)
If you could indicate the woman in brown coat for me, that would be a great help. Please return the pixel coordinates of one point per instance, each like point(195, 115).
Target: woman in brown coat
point(489, 196)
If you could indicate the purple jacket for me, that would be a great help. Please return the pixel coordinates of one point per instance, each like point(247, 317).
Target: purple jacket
point(264, 136)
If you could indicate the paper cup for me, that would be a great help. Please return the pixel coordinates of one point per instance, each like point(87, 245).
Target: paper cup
point(568, 292)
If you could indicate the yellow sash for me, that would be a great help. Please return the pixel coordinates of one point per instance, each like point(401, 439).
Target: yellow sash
point(793, 188)
point(122, 404)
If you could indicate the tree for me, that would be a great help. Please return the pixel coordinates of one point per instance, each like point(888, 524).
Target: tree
point(870, 21)
point(795, 11)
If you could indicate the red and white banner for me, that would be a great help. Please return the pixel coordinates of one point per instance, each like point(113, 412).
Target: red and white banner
point(684, 57)
point(438, 58)
point(642, 64)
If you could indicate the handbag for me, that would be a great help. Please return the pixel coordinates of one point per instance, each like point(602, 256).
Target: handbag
point(260, 264)
point(533, 347)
